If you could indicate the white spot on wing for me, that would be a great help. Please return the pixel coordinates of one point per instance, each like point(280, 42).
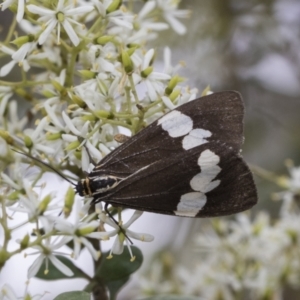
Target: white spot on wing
point(195, 138)
point(207, 159)
point(176, 123)
point(201, 183)
point(190, 204)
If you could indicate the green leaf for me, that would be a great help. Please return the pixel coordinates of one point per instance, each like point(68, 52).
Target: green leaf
point(115, 272)
point(115, 286)
point(172, 297)
point(55, 274)
point(75, 295)
point(120, 266)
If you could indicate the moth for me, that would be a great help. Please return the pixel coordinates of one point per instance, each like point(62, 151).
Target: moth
point(187, 163)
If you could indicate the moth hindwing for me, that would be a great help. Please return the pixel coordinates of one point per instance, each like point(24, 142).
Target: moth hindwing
point(187, 163)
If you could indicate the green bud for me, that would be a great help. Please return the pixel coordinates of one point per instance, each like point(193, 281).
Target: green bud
point(103, 114)
point(13, 196)
point(69, 201)
point(44, 204)
point(145, 73)
point(102, 40)
point(28, 141)
point(48, 94)
point(4, 256)
point(77, 100)
point(53, 136)
point(84, 231)
point(130, 51)
point(13, 7)
point(127, 62)
point(24, 242)
point(114, 6)
point(6, 136)
point(77, 154)
point(173, 83)
point(23, 40)
point(90, 118)
point(73, 145)
point(57, 85)
point(86, 74)
point(168, 91)
point(174, 95)
point(21, 92)
point(133, 45)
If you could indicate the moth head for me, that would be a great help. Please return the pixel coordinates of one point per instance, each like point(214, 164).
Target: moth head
point(96, 185)
point(82, 187)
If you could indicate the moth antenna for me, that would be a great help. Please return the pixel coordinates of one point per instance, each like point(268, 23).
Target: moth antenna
point(112, 217)
point(90, 156)
point(46, 165)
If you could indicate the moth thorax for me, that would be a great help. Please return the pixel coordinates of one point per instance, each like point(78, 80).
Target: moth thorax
point(95, 185)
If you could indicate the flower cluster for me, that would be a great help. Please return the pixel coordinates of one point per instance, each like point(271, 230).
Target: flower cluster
point(93, 77)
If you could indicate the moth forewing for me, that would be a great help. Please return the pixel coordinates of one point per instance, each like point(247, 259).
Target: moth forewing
point(221, 114)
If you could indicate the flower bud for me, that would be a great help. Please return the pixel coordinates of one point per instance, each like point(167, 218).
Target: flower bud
point(113, 6)
point(102, 40)
point(127, 62)
point(69, 201)
point(28, 141)
point(23, 40)
point(145, 73)
point(24, 242)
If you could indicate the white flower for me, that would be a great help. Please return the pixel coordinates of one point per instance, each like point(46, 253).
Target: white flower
point(15, 123)
point(37, 137)
point(17, 58)
point(36, 208)
point(122, 230)
point(153, 80)
point(46, 252)
point(118, 17)
point(147, 24)
point(62, 15)
point(171, 13)
point(79, 232)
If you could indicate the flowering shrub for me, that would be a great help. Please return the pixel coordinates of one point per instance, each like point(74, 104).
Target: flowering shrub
point(77, 74)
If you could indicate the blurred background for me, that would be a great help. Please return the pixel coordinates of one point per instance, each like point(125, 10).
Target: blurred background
point(251, 46)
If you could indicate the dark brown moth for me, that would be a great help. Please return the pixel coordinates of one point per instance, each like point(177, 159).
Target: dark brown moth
point(187, 163)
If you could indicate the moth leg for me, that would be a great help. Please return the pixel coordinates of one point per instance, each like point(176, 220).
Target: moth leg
point(112, 217)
